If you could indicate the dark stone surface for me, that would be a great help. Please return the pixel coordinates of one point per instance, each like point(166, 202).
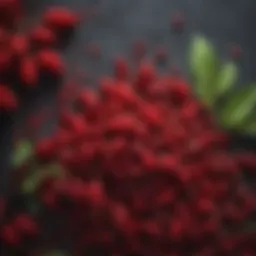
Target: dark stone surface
point(122, 21)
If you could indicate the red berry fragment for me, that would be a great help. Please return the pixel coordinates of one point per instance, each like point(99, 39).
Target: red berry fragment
point(160, 54)
point(139, 49)
point(177, 22)
point(120, 68)
point(236, 52)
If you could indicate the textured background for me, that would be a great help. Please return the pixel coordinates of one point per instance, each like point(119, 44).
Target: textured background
point(122, 21)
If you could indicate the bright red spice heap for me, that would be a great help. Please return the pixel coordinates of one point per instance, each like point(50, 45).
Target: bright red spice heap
point(147, 172)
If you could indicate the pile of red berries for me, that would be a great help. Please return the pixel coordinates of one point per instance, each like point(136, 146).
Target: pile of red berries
point(144, 168)
point(146, 171)
point(24, 56)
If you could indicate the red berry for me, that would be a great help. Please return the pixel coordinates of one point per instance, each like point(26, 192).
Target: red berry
point(45, 149)
point(10, 236)
point(60, 18)
point(43, 36)
point(19, 44)
point(160, 54)
point(120, 68)
point(146, 75)
point(4, 36)
point(51, 61)
point(25, 225)
point(29, 71)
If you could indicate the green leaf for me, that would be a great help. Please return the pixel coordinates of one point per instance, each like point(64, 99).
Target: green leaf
point(33, 181)
point(22, 153)
point(249, 128)
point(203, 63)
point(30, 184)
point(227, 78)
point(239, 107)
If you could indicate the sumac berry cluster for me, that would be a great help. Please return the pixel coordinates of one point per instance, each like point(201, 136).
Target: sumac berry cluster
point(24, 56)
point(147, 172)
